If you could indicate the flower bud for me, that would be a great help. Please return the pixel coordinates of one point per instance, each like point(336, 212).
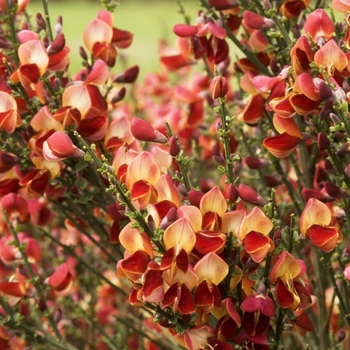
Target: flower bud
point(218, 87)
point(255, 21)
point(83, 53)
point(277, 238)
point(324, 90)
point(128, 76)
point(322, 141)
point(334, 191)
point(119, 96)
point(174, 148)
point(40, 22)
point(249, 195)
point(142, 131)
point(218, 156)
point(255, 163)
point(340, 336)
point(232, 193)
point(329, 167)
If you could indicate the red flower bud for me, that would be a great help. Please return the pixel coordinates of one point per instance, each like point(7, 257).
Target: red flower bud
point(218, 87)
point(255, 21)
point(217, 156)
point(174, 148)
point(119, 96)
point(232, 193)
point(334, 191)
point(40, 21)
point(255, 163)
point(322, 141)
point(128, 76)
point(249, 195)
point(142, 131)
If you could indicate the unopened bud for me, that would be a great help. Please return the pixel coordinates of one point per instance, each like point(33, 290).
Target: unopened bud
point(40, 22)
point(324, 90)
point(119, 96)
point(334, 191)
point(218, 87)
point(330, 168)
point(322, 141)
point(232, 193)
point(255, 21)
point(249, 195)
point(142, 131)
point(174, 148)
point(335, 119)
point(256, 163)
point(218, 156)
point(267, 5)
point(83, 53)
point(340, 336)
point(277, 238)
point(128, 76)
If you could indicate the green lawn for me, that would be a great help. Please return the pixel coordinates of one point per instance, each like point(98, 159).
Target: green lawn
point(150, 21)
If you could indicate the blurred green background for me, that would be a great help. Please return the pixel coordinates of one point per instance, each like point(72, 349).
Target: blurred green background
point(150, 21)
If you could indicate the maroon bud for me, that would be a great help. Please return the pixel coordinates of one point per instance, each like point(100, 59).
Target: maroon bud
point(277, 238)
point(46, 42)
point(195, 197)
point(255, 163)
point(114, 233)
point(308, 193)
point(340, 336)
point(182, 189)
point(128, 76)
point(249, 195)
point(142, 131)
point(83, 53)
point(174, 148)
point(324, 90)
point(272, 181)
point(334, 191)
point(322, 141)
point(169, 218)
point(329, 167)
point(343, 149)
point(251, 264)
point(218, 156)
point(237, 166)
point(232, 193)
point(58, 44)
point(119, 96)
point(8, 159)
point(320, 175)
point(41, 305)
point(218, 87)
point(40, 22)
point(184, 30)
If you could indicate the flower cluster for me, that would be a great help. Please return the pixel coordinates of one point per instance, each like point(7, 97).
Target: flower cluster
point(205, 208)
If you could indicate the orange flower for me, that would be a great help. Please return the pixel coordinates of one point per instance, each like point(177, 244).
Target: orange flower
point(315, 225)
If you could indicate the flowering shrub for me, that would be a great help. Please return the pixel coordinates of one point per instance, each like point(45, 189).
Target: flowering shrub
point(204, 208)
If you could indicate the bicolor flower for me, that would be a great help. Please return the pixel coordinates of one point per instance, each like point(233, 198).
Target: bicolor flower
point(315, 224)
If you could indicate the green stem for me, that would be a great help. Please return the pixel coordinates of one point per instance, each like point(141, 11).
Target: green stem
point(225, 131)
point(11, 22)
point(47, 19)
point(279, 328)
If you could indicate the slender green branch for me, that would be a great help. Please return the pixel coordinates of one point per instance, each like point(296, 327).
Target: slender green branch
point(47, 19)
